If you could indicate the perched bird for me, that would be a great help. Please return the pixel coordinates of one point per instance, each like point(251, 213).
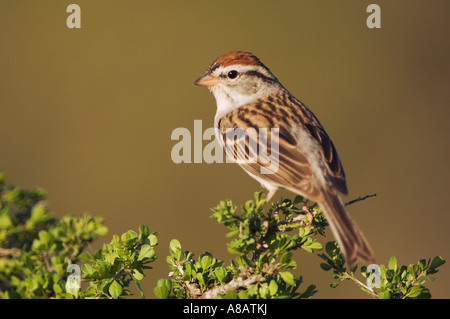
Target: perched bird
point(249, 96)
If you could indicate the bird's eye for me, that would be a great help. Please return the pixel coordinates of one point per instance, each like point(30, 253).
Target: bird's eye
point(233, 74)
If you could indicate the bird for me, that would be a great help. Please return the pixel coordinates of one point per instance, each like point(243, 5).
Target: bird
point(250, 98)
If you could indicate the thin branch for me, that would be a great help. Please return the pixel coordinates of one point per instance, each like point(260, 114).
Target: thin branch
point(359, 199)
point(193, 291)
point(233, 285)
point(240, 282)
point(362, 285)
point(8, 252)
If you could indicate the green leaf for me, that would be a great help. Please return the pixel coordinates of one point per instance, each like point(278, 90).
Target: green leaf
point(230, 295)
point(335, 284)
point(205, 261)
point(101, 230)
point(146, 252)
point(137, 275)
point(129, 238)
point(5, 220)
point(385, 295)
point(392, 264)
point(139, 287)
point(232, 233)
point(309, 292)
point(220, 274)
point(315, 245)
point(414, 292)
point(287, 262)
point(153, 239)
point(422, 264)
point(273, 287)
point(175, 248)
point(298, 199)
point(332, 248)
point(87, 269)
point(436, 262)
point(242, 294)
point(115, 289)
point(264, 290)
point(287, 277)
point(162, 289)
point(44, 237)
point(325, 266)
point(144, 231)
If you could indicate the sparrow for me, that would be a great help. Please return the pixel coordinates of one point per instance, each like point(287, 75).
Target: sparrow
point(250, 98)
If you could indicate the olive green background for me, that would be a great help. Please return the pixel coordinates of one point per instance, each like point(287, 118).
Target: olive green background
point(87, 114)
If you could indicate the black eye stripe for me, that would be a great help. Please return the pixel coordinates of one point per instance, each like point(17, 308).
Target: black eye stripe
point(249, 73)
point(259, 75)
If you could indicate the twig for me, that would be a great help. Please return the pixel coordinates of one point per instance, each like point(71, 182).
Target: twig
point(240, 282)
point(359, 199)
point(359, 283)
point(233, 285)
point(193, 291)
point(8, 252)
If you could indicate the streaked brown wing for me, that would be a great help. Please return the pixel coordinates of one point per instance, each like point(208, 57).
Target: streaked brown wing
point(288, 168)
point(294, 171)
point(289, 107)
point(330, 156)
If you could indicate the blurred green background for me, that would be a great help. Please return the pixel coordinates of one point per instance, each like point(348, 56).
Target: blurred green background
point(87, 114)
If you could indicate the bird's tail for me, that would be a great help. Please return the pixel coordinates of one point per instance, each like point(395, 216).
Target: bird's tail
point(352, 242)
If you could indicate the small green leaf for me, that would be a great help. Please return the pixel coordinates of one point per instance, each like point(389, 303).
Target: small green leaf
point(264, 290)
point(414, 292)
point(385, 295)
point(162, 289)
point(230, 295)
point(325, 266)
point(205, 261)
point(392, 264)
point(273, 287)
point(146, 252)
point(220, 274)
point(115, 289)
point(335, 284)
point(298, 199)
point(287, 277)
point(137, 275)
point(153, 239)
point(139, 287)
point(315, 246)
point(87, 269)
point(309, 292)
point(232, 233)
point(175, 248)
point(422, 264)
point(332, 248)
point(143, 231)
point(44, 237)
point(242, 294)
point(436, 262)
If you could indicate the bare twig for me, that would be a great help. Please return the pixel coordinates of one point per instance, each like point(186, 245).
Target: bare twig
point(359, 199)
point(233, 285)
point(359, 283)
point(193, 291)
point(8, 252)
point(240, 282)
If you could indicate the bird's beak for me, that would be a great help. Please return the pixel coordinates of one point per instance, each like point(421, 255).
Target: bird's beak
point(206, 80)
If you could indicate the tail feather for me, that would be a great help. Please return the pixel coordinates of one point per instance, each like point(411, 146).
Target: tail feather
point(352, 242)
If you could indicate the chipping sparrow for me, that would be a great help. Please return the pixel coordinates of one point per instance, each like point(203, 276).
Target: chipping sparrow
point(248, 95)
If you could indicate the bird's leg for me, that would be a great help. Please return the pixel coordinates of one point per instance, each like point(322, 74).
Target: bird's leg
point(269, 195)
point(308, 214)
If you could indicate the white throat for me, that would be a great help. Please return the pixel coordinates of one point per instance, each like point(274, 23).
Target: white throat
point(228, 101)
